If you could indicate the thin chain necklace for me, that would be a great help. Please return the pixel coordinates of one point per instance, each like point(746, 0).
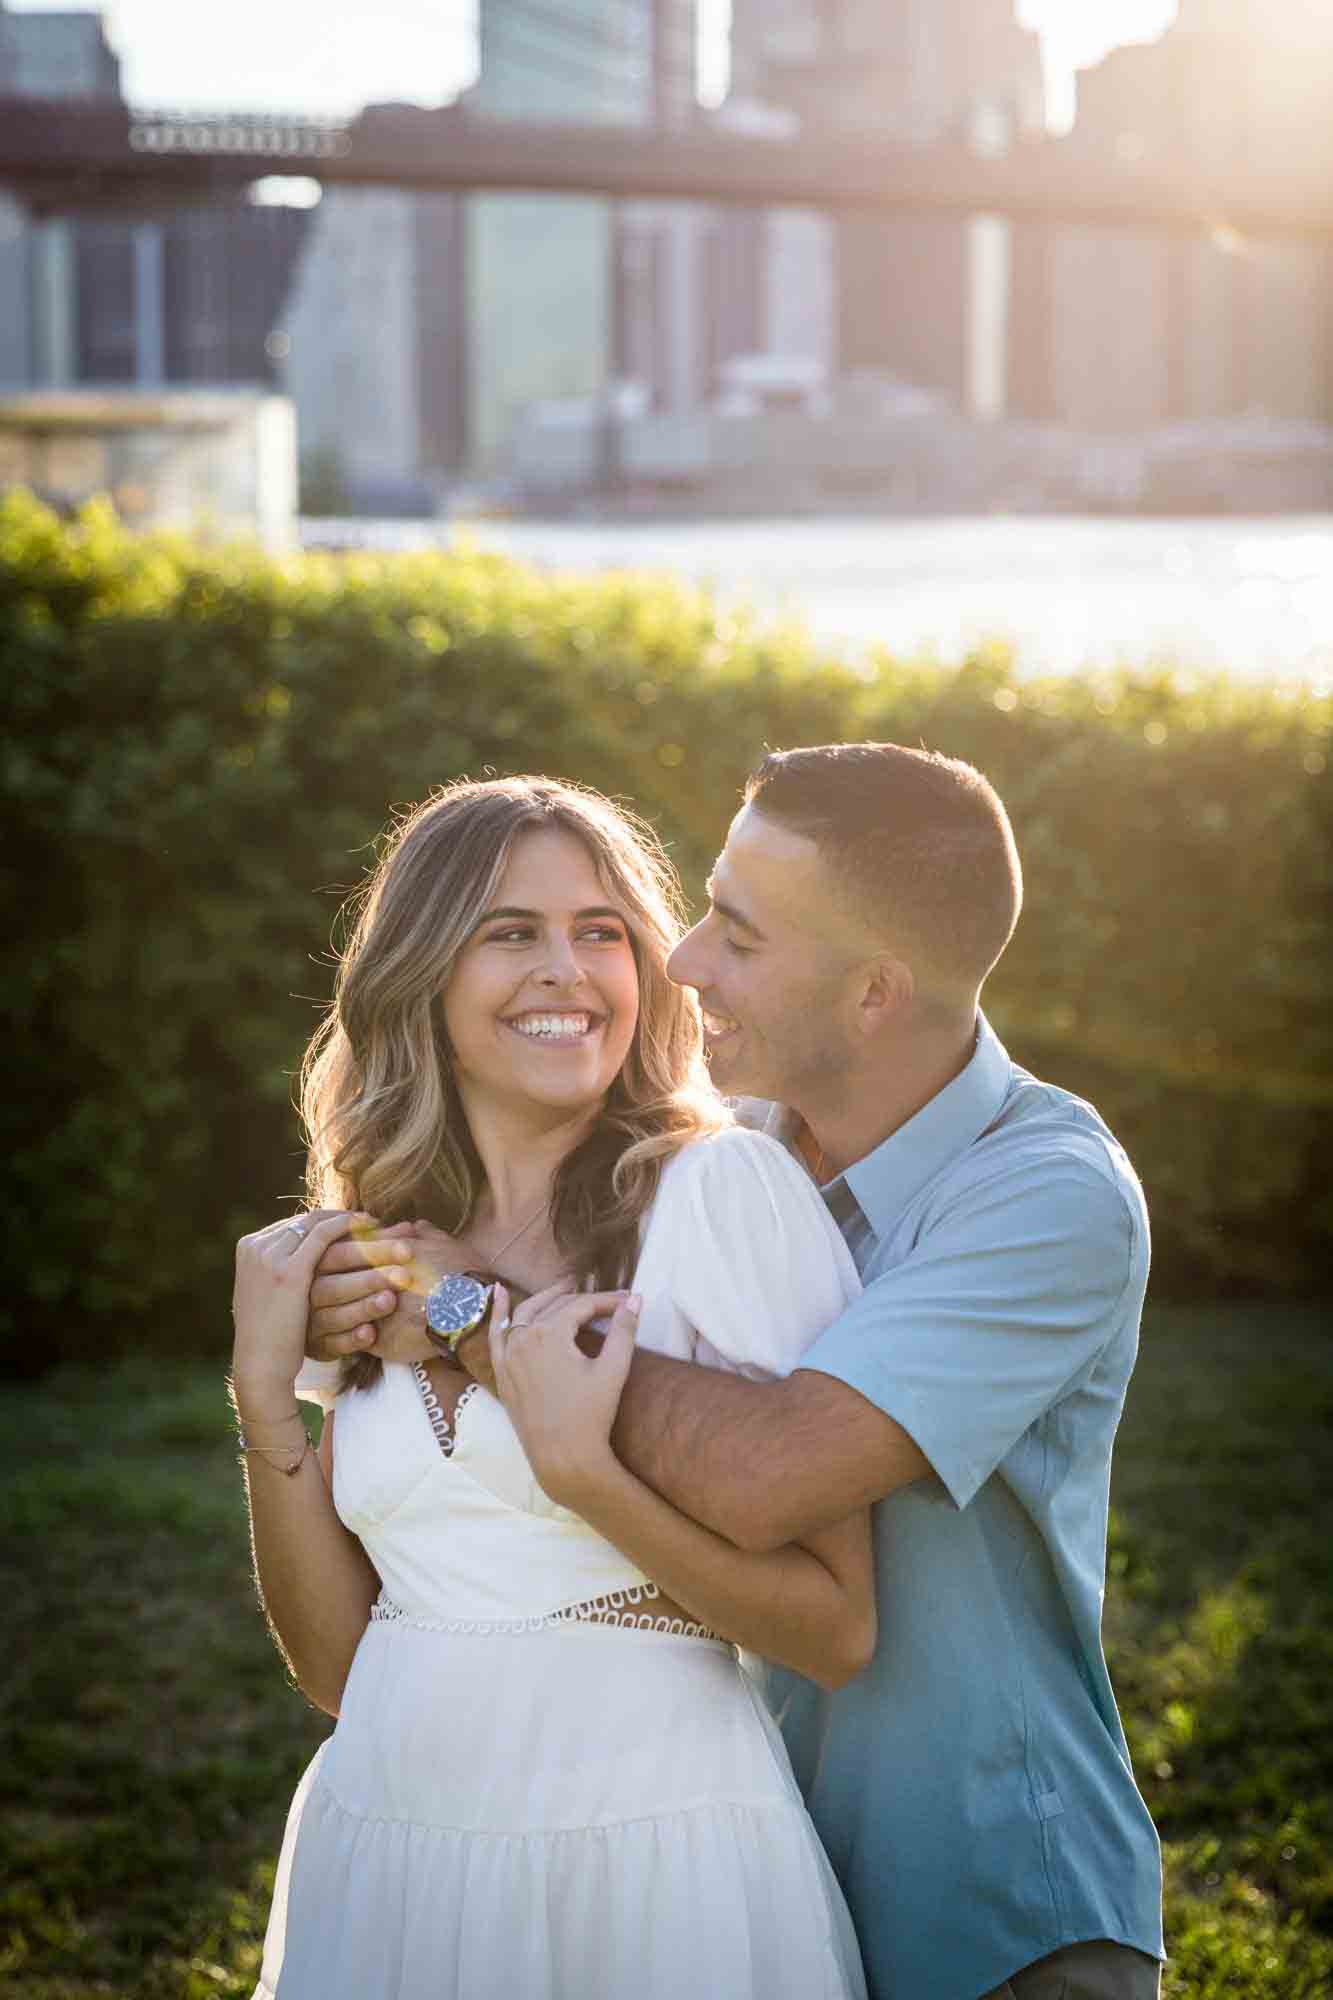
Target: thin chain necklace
point(522, 1230)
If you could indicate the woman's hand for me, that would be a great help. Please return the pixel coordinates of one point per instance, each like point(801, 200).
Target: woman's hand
point(274, 1270)
point(562, 1401)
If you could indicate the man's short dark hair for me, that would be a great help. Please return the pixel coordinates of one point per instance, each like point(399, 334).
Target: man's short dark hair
point(920, 844)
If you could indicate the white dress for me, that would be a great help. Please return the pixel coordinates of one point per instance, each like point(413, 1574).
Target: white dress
point(536, 1789)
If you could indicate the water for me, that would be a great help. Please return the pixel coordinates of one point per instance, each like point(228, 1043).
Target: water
point(1252, 595)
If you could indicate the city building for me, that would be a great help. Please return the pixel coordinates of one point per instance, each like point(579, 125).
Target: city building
point(1119, 330)
point(570, 296)
point(56, 55)
point(917, 298)
point(186, 295)
point(373, 346)
point(423, 328)
point(45, 55)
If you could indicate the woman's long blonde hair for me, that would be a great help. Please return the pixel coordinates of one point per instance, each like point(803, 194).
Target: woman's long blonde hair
point(383, 1119)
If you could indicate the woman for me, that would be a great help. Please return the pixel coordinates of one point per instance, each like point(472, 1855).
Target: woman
point(550, 1776)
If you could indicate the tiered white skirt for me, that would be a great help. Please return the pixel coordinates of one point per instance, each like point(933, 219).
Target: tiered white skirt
point(578, 1812)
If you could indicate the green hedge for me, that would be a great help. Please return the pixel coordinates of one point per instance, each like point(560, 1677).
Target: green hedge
point(200, 747)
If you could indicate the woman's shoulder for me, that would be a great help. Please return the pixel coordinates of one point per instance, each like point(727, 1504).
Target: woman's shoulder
point(738, 1171)
point(742, 1246)
point(731, 1150)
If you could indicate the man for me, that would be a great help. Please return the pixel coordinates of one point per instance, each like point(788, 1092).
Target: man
point(972, 1787)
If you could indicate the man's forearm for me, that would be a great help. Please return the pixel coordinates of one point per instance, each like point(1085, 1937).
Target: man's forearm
point(763, 1463)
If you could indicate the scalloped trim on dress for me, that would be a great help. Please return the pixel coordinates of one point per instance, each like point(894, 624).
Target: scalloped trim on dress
point(439, 1423)
point(608, 1610)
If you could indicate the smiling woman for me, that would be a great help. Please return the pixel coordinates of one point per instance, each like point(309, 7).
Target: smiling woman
point(550, 1776)
point(544, 997)
point(503, 917)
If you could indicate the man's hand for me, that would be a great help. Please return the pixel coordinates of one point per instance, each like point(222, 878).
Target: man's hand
point(371, 1297)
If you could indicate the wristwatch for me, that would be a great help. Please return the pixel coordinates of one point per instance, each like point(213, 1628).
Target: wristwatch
point(456, 1306)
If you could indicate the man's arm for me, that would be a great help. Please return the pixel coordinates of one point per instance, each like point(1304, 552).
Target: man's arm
point(940, 1366)
point(763, 1463)
point(809, 1607)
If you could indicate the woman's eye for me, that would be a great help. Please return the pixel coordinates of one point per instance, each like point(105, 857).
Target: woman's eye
point(524, 934)
point(738, 950)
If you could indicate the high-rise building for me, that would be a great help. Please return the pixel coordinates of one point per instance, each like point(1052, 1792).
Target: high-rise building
point(1117, 329)
point(45, 55)
point(584, 62)
point(913, 70)
point(56, 55)
point(909, 291)
point(195, 295)
point(421, 327)
point(568, 295)
point(191, 295)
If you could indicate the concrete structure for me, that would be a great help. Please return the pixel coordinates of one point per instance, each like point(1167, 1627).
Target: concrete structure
point(214, 464)
point(374, 346)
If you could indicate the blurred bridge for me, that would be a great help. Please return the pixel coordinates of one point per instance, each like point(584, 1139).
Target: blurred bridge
point(58, 155)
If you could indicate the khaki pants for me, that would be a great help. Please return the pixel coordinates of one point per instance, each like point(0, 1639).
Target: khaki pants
point(1096, 1971)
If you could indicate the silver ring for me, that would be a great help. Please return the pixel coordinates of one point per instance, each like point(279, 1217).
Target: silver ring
point(295, 1229)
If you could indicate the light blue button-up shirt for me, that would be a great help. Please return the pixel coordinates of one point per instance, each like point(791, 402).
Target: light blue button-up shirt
point(973, 1787)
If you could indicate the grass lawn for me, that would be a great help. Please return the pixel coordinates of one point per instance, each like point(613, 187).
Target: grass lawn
point(150, 1742)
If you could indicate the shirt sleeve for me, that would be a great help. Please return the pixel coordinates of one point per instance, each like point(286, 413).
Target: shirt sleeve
point(760, 1268)
point(1004, 1303)
point(318, 1383)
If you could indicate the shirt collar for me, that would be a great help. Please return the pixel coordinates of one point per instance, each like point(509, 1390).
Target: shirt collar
point(885, 1180)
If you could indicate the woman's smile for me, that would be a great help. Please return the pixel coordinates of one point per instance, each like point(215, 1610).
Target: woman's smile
point(562, 1028)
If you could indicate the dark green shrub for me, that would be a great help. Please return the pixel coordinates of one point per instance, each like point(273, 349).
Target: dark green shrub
point(200, 747)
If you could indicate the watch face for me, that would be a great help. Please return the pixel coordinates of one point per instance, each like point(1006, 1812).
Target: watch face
point(456, 1303)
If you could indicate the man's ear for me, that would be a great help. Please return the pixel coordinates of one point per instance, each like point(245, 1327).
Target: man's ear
point(887, 991)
